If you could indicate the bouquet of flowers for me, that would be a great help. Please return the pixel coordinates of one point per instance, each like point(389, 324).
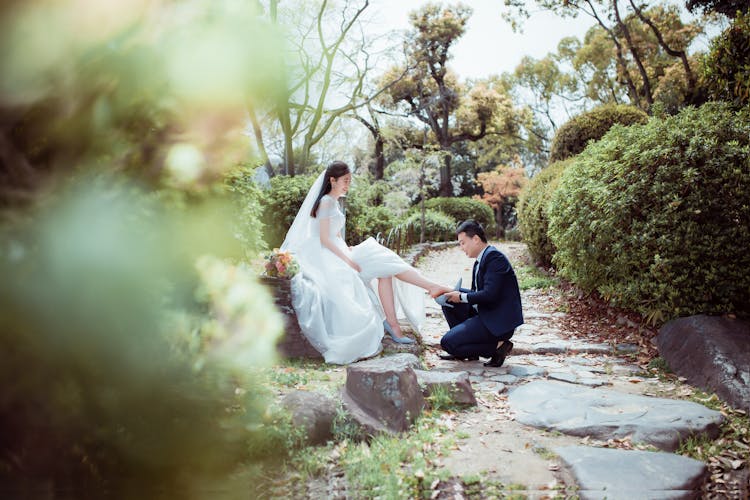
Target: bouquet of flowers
point(281, 264)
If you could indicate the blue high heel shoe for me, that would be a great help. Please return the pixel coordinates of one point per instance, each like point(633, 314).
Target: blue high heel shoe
point(398, 340)
point(442, 300)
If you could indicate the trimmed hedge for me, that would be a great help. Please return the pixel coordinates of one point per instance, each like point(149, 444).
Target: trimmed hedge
point(573, 136)
point(533, 207)
point(657, 217)
point(461, 209)
point(375, 220)
point(438, 226)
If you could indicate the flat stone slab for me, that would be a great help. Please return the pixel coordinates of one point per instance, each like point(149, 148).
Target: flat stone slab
point(550, 347)
point(604, 414)
point(626, 474)
point(591, 348)
point(563, 377)
point(527, 371)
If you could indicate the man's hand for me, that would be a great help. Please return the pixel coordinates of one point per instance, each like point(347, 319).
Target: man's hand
point(454, 296)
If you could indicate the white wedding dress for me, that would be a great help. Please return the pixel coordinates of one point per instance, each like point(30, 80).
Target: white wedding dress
point(338, 309)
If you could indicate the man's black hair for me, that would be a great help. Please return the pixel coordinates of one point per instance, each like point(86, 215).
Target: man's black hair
point(471, 228)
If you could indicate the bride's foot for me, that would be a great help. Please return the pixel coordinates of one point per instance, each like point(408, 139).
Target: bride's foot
point(438, 290)
point(398, 338)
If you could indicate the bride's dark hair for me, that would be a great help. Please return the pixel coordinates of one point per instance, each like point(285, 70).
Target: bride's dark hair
point(336, 170)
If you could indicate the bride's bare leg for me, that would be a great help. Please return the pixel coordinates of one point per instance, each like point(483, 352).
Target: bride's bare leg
point(413, 277)
point(385, 291)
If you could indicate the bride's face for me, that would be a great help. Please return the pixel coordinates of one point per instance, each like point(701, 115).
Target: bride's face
point(340, 186)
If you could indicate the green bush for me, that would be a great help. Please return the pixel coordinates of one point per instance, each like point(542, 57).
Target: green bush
point(437, 225)
point(657, 217)
point(533, 216)
point(374, 220)
point(357, 205)
point(461, 209)
point(726, 69)
point(248, 199)
point(281, 203)
point(573, 136)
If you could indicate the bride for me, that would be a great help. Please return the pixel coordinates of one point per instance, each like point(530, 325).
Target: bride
point(333, 294)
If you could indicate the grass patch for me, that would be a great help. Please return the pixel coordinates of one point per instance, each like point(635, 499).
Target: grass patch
point(441, 399)
point(478, 486)
point(462, 434)
point(531, 277)
point(394, 466)
point(731, 449)
point(545, 453)
point(295, 374)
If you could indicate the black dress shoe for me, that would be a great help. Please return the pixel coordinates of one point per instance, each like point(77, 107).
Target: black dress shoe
point(451, 357)
point(498, 358)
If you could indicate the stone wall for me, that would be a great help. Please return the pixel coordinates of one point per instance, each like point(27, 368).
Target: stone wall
point(293, 343)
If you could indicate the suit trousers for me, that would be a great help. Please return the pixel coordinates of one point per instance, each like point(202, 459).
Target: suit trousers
point(468, 337)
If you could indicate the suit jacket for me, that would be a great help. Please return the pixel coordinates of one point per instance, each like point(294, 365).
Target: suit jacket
point(496, 293)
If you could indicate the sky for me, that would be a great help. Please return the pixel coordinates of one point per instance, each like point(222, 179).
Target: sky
point(489, 45)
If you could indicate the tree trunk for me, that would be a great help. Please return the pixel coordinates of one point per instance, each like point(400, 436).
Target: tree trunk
point(499, 222)
point(288, 146)
point(258, 132)
point(674, 53)
point(631, 46)
point(446, 187)
point(632, 90)
point(379, 158)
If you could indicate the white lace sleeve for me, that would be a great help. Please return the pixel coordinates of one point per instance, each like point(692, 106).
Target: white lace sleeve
point(327, 208)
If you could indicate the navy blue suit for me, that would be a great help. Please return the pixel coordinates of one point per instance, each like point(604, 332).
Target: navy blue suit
point(476, 332)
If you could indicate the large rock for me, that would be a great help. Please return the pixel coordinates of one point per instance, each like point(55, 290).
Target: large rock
point(712, 353)
point(604, 414)
point(313, 412)
point(625, 474)
point(383, 395)
point(456, 385)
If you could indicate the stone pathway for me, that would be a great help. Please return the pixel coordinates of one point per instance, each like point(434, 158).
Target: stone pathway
point(563, 411)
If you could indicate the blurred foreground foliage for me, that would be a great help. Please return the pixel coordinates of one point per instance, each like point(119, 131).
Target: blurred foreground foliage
point(130, 336)
point(126, 351)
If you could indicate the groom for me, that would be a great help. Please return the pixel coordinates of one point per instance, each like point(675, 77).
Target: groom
point(482, 320)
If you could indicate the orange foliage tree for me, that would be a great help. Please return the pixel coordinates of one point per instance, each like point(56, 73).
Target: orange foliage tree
point(501, 189)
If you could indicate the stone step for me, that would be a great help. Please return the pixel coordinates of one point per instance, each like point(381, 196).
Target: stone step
point(604, 414)
point(627, 474)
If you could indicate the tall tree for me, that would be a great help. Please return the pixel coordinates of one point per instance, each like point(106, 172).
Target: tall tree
point(546, 83)
point(593, 67)
point(644, 41)
point(431, 93)
point(501, 189)
point(327, 61)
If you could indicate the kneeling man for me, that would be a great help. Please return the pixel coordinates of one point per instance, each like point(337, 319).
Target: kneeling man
point(482, 320)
